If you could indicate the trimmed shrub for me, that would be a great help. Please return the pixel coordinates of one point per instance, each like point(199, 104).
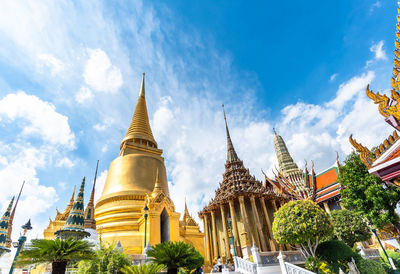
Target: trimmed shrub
point(334, 251)
point(371, 267)
point(392, 254)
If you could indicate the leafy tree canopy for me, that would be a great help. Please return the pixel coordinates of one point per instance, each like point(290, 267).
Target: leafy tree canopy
point(176, 255)
point(301, 223)
point(349, 226)
point(367, 194)
point(107, 259)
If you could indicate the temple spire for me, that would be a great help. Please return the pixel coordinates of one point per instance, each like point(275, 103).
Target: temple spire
point(157, 187)
point(4, 225)
point(140, 129)
point(286, 164)
point(74, 226)
point(231, 153)
point(10, 222)
point(90, 222)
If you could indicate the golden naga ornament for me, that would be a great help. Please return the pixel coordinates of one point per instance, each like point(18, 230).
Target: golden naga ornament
point(390, 106)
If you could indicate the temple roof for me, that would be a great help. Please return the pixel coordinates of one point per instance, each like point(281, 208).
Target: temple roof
point(187, 218)
point(140, 125)
point(64, 215)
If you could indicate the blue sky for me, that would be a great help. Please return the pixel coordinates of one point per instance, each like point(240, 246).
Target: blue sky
point(70, 74)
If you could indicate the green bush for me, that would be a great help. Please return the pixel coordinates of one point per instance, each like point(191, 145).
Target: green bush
point(334, 251)
point(371, 267)
point(313, 263)
point(392, 254)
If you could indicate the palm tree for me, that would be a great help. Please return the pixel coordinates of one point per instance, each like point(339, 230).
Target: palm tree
point(143, 269)
point(176, 255)
point(57, 252)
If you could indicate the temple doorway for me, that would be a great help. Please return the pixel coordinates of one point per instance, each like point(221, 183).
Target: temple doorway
point(164, 226)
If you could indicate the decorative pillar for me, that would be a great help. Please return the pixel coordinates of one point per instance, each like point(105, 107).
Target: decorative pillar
point(271, 239)
point(274, 205)
point(246, 248)
point(214, 236)
point(327, 209)
point(236, 239)
point(207, 240)
point(227, 248)
point(258, 223)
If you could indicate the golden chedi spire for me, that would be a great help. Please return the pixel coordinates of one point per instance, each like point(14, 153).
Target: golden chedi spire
point(140, 125)
point(137, 173)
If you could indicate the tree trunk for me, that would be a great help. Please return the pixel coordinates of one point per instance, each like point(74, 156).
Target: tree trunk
point(59, 267)
point(172, 270)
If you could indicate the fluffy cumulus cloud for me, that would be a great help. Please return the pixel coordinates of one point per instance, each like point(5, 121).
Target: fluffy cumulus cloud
point(100, 74)
point(38, 118)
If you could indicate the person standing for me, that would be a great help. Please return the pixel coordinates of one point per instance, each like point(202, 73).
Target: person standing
point(219, 264)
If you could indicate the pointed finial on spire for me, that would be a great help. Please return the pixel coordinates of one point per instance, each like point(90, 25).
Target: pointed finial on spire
point(274, 131)
point(90, 222)
point(186, 208)
point(142, 89)
point(231, 153)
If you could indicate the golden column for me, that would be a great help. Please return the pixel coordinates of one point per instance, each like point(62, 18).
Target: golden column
point(236, 238)
point(207, 239)
point(272, 242)
point(214, 236)
point(228, 253)
point(258, 223)
point(247, 233)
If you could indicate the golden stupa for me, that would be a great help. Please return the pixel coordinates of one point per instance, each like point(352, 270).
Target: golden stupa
point(137, 177)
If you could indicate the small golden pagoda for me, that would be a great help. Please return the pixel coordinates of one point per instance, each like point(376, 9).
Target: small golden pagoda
point(241, 213)
point(137, 177)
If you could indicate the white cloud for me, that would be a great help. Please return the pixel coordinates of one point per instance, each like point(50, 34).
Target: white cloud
point(333, 77)
point(65, 162)
point(374, 6)
point(100, 74)
point(55, 65)
point(105, 125)
point(42, 117)
point(379, 52)
point(83, 95)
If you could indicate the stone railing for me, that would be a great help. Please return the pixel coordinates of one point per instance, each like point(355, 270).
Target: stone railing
point(294, 269)
point(244, 266)
point(271, 257)
point(370, 253)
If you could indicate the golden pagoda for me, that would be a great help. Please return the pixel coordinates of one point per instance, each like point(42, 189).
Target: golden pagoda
point(241, 213)
point(137, 177)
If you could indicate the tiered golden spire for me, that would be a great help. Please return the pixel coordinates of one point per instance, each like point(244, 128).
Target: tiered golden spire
point(140, 126)
point(90, 222)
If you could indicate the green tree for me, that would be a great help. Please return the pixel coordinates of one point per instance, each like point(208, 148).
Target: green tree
point(107, 259)
point(57, 252)
point(367, 194)
point(176, 255)
point(143, 269)
point(349, 226)
point(301, 223)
